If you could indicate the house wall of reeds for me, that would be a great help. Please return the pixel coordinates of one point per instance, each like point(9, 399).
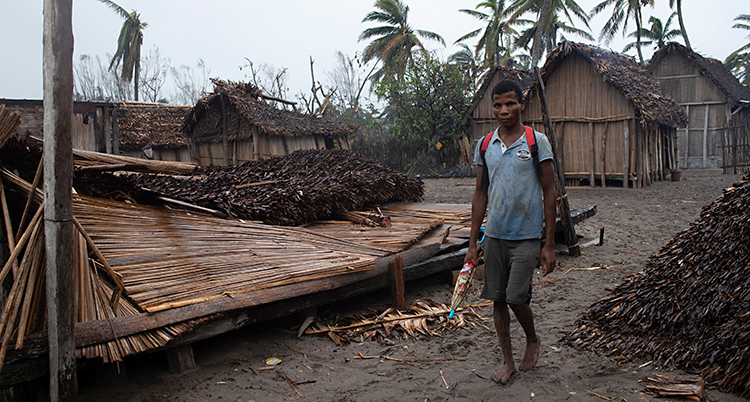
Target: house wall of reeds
point(240, 141)
point(715, 137)
point(91, 128)
point(600, 137)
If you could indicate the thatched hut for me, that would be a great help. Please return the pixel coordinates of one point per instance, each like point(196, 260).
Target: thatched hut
point(161, 122)
point(234, 124)
point(612, 120)
point(479, 117)
point(717, 104)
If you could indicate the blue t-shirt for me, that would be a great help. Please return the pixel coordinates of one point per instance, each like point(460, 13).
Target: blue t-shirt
point(514, 198)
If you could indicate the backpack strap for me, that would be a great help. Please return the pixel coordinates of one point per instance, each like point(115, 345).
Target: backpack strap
point(531, 140)
point(485, 176)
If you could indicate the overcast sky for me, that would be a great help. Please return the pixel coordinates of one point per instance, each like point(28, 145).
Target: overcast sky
point(286, 33)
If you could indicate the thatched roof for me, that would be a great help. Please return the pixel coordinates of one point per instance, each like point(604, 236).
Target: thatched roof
point(525, 78)
point(246, 101)
point(629, 77)
point(160, 122)
point(711, 68)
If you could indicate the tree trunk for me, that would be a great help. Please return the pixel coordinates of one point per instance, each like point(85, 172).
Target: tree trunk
point(637, 15)
point(682, 24)
point(542, 23)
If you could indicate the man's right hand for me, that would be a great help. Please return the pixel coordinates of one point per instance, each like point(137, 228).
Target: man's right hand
point(471, 255)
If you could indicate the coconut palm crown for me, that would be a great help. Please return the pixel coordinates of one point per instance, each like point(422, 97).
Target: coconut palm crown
point(128, 45)
point(393, 42)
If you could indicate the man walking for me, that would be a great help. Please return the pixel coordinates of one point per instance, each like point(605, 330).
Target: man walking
point(521, 199)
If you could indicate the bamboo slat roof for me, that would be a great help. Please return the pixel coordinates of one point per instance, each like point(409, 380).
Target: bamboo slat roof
point(160, 122)
point(245, 100)
point(711, 68)
point(631, 78)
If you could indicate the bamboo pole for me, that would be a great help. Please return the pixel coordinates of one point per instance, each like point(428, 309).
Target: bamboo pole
point(8, 225)
point(34, 185)
point(592, 156)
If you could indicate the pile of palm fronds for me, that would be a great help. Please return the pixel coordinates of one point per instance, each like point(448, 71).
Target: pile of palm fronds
point(289, 190)
point(420, 320)
point(690, 307)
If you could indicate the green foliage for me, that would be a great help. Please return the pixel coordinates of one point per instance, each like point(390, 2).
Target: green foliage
point(425, 109)
point(739, 61)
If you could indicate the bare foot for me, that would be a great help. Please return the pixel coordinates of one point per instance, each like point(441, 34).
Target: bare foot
point(503, 375)
point(531, 355)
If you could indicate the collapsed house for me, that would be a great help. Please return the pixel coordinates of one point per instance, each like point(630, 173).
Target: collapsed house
point(717, 105)
point(689, 308)
point(235, 124)
point(156, 269)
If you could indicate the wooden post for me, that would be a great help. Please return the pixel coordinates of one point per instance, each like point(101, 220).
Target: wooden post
point(397, 283)
point(705, 137)
point(592, 156)
point(224, 129)
point(626, 155)
point(646, 155)
point(181, 359)
point(603, 156)
point(107, 131)
point(58, 203)
point(569, 231)
point(115, 137)
point(638, 155)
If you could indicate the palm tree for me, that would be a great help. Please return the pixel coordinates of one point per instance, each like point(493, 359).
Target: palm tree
point(549, 40)
point(128, 45)
point(491, 38)
point(739, 61)
point(622, 11)
point(678, 3)
point(659, 35)
point(548, 14)
point(470, 63)
point(394, 41)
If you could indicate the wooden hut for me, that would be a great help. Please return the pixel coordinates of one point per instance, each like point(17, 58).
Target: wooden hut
point(479, 117)
point(92, 128)
point(162, 123)
point(717, 104)
point(612, 121)
point(234, 124)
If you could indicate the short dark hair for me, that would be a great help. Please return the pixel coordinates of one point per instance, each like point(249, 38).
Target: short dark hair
point(505, 86)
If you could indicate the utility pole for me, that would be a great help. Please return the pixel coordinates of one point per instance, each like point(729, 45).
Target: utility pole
point(58, 198)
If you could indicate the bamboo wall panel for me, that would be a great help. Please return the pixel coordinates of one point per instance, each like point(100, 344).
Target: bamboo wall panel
point(574, 90)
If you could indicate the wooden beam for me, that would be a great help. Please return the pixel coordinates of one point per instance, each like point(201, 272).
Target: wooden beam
point(397, 284)
point(58, 202)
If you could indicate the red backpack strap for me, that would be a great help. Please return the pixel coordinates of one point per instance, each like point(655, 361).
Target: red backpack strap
point(531, 140)
point(482, 150)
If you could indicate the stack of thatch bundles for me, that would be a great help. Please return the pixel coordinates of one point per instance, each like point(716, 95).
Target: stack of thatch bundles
point(289, 190)
point(690, 307)
point(8, 123)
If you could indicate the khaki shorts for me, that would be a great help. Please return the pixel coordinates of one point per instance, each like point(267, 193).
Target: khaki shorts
point(509, 269)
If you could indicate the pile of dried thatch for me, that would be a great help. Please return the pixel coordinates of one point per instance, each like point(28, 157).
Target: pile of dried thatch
point(290, 190)
point(690, 307)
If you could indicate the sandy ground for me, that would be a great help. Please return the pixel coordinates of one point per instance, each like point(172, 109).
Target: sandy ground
point(636, 224)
